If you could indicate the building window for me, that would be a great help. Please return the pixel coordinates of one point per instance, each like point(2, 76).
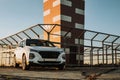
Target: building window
point(67, 50)
point(79, 11)
point(47, 12)
point(82, 41)
point(76, 41)
point(66, 18)
point(55, 3)
point(79, 57)
point(63, 33)
point(56, 18)
point(66, 2)
point(79, 41)
point(79, 26)
point(45, 1)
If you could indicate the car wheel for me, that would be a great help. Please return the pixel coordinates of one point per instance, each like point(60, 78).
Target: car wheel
point(61, 67)
point(24, 63)
point(15, 65)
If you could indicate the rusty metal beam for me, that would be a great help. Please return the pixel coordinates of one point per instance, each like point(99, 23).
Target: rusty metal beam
point(81, 34)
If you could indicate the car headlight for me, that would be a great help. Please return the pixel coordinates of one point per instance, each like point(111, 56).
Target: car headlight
point(31, 56)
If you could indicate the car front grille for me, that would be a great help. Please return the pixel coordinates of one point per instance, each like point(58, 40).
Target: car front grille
point(49, 54)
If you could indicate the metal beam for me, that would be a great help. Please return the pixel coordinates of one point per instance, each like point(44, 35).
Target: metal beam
point(91, 54)
point(43, 28)
point(14, 39)
point(4, 42)
point(98, 56)
point(107, 47)
point(115, 56)
point(94, 36)
point(19, 37)
point(35, 33)
point(81, 34)
point(27, 35)
point(115, 39)
point(9, 41)
point(67, 33)
point(48, 33)
point(52, 28)
point(112, 54)
point(105, 38)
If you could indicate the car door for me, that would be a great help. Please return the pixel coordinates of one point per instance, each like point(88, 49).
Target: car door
point(19, 52)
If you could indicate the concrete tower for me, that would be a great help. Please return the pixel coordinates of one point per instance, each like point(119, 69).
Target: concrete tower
point(69, 13)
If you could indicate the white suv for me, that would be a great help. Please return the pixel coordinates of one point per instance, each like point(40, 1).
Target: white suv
point(36, 52)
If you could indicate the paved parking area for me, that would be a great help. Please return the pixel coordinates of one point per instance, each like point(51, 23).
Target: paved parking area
point(42, 73)
point(82, 73)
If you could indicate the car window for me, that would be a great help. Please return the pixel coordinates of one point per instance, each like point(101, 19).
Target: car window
point(34, 42)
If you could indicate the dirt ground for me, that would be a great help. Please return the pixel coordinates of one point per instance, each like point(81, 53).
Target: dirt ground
point(76, 73)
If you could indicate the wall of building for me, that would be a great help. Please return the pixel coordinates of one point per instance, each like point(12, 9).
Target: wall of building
point(67, 13)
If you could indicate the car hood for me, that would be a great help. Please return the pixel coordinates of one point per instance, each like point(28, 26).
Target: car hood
point(37, 48)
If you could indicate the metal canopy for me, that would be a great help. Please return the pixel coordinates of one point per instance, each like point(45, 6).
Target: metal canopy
point(95, 43)
point(36, 31)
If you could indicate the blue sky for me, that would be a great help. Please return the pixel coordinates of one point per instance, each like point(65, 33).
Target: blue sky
point(16, 15)
point(103, 16)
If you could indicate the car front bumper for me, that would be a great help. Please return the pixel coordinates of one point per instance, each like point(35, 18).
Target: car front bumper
point(47, 63)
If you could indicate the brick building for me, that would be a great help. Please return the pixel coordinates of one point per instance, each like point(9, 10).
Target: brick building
point(69, 13)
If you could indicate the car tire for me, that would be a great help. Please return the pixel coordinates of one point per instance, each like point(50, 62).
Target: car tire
point(61, 67)
point(15, 65)
point(24, 63)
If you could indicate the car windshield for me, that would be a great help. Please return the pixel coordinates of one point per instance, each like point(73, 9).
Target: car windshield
point(36, 42)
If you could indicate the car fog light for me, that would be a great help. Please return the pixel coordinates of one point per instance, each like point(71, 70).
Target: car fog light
point(31, 56)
